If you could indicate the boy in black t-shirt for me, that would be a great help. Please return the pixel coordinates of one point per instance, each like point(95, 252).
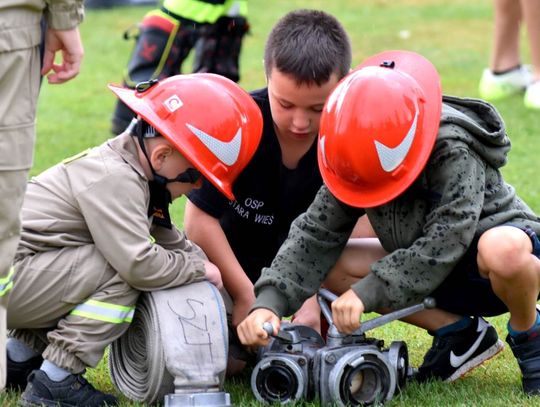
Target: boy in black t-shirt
point(306, 54)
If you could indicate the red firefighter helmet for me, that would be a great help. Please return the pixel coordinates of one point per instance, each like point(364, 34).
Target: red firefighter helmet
point(378, 128)
point(215, 124)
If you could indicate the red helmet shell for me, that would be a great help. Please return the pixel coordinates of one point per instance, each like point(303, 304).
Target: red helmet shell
point(378, 128)
point(210, 120)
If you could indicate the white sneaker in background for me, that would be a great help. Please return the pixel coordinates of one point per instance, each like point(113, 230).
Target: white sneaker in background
point(532, 96)
point(495, 87)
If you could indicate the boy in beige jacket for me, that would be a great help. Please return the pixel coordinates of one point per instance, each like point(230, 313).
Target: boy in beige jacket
point(97, 231)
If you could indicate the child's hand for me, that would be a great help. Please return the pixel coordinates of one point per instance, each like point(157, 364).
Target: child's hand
point(251, 331)
point(213, 274)
point(346, 312)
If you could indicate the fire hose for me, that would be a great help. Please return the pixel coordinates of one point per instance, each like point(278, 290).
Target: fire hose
point(175, 348)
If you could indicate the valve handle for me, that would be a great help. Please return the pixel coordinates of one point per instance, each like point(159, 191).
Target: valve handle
point(324, 294)
point(427, 303)
point(282, 335)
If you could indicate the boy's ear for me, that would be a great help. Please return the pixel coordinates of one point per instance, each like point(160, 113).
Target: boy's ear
point(159, 154)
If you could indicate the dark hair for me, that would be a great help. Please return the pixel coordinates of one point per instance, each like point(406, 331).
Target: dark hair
point(309, 45)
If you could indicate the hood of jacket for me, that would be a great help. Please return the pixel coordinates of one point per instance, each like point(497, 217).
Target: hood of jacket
point(485, 131)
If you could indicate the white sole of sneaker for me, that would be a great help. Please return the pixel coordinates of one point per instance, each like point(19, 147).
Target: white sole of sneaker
point(477, 361)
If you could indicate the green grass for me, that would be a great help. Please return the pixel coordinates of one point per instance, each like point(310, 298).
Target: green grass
point(455, 35)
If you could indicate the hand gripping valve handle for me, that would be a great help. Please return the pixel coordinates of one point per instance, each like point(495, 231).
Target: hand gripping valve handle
point(324, 294)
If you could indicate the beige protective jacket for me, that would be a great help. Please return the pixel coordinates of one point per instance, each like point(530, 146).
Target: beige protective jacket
point(101, 197)
point(87, 250)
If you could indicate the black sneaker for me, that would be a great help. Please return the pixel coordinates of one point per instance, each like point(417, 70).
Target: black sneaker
point(453, 355)
point(526, 349)
point(17, 372)
point(73, 391)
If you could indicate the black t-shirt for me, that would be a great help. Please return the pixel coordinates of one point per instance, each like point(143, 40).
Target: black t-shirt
point(269, 197)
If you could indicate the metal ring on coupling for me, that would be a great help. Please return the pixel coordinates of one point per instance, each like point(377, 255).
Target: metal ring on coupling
point(282, 366)
point(374, 362)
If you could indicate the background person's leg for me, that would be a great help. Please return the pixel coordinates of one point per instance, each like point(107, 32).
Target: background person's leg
point(507, 16)
point(19, 88)
point(531, 17)
point(505, 75)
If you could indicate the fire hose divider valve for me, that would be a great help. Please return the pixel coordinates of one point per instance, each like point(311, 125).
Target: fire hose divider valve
point(345, 370)
point(283, 371)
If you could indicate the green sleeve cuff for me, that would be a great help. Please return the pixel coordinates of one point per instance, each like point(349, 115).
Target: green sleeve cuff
point(271, 298)
point(371, 290)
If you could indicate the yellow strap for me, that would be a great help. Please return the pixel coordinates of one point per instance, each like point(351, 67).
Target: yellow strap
point(166, 51)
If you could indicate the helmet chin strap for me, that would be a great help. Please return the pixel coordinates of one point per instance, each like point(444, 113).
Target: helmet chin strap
point(143, 130)
point(160, 196)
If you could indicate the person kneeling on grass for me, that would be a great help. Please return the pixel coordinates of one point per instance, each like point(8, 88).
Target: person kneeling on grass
point(96, 230)
point(426, 171)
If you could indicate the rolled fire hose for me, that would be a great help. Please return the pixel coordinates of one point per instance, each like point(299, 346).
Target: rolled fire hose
point(177, 343)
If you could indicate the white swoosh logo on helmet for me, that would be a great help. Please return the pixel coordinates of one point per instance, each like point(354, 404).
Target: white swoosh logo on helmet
point(226, 151)
point(457, 361)
point(391, 158)
point(323, 151)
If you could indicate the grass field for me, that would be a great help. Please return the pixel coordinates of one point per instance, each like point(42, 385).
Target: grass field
point(455, 35)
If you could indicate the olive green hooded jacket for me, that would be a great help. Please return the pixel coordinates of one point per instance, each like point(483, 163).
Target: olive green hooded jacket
point(426, 230)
